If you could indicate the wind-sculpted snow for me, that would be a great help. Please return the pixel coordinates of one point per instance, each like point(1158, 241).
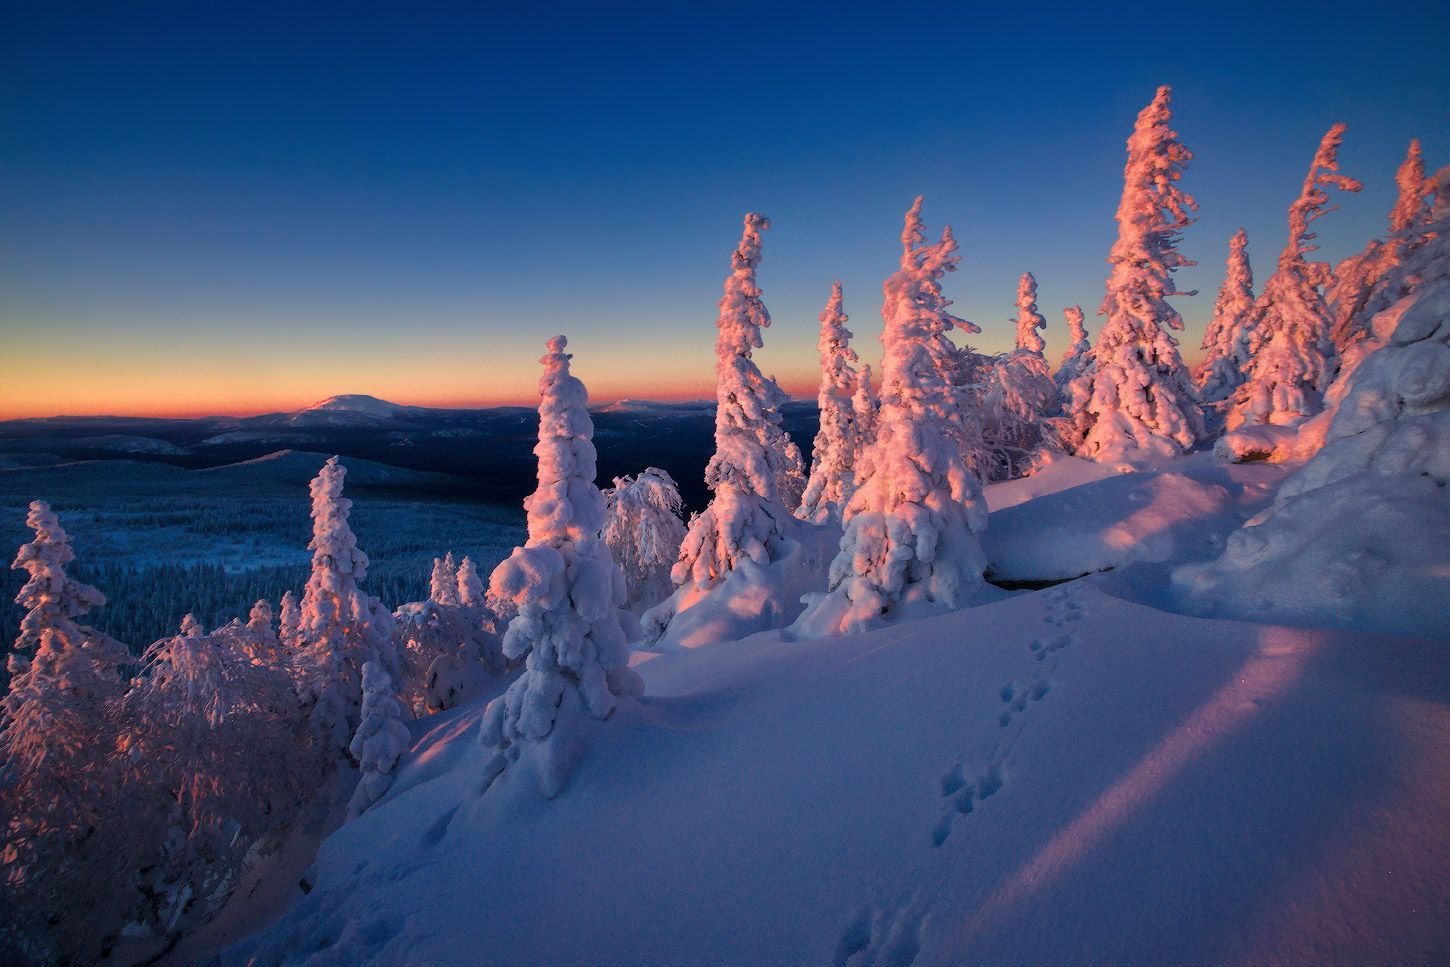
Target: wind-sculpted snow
point(1357, 537)
point(1047, 779)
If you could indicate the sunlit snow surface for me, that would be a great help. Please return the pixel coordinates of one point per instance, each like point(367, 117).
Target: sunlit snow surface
point(1064, 776)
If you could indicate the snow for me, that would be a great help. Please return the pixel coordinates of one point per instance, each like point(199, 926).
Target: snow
point(1180, 513)
point(1055, 778)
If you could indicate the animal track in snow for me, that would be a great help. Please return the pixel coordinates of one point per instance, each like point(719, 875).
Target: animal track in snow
point(965, 788)
point(881, 937)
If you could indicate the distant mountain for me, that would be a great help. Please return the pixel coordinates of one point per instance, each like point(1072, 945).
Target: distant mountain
point(349, 410)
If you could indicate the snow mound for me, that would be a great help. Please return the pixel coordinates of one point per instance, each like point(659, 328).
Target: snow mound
point(1055, 472)
point(1109, 523)
point(1048, 779)
point(1360, 537)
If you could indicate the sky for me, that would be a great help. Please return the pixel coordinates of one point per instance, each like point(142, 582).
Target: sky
point(244, 208)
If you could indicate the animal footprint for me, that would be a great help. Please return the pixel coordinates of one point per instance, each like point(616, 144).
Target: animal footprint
point(881, 938)
point(964, 796)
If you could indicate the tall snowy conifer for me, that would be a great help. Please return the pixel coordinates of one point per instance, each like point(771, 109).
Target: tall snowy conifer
point(1136, 400)
point(1029, 320)
point(568, 596)
point(833, 475)
point(1359, 286)
point(755, 472)
point(1292, 356)
point(912, 525)
point(1225, 341)
point(339, 627)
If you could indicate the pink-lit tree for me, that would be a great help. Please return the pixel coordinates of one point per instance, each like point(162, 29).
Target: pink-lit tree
point(1360, 284)
point(755, 473)
point(1292, 358)
point(912, 525)
point(833, 475)
point(1136, 399)
point(1225, 341)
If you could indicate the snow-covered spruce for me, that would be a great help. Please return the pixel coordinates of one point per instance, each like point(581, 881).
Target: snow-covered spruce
point(833, 474)
point(1029, 320)
point(1077, 356)
point(1136, 400)
point(339, 627)
point(1225, 341)
point(448, 646)
point(1018, 402)
point(217, 760)
point(1333, 548)
point(743, 564)
point(55, 782)
point(865, 407)
point(1291, 355)
point(568, 596)
point(644, 531)
point(443, 582)
point(911, 527)
point(381, 739)
point(1357, 289)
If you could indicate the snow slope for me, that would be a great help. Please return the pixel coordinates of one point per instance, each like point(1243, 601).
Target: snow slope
point(1059, 777)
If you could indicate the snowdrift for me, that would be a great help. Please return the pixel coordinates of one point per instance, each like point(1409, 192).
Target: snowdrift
point(1054, 778)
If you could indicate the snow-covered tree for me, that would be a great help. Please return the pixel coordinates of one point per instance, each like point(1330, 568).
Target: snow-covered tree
point(1017, 410)
point(1079, 349)
point(1225, 341)
point(217, 760)
point(1292, 358)
point(1136, 399)
point(568, 595)
point(912, 525)
point(643, 529)
point(1016, 400)
point(443, 584)
point(289, 618)
point(57, 781)
point(864, 408)
point(833, 473)
point(381, 739)
point(471, 591)
point(1356, 536)
point(339, 627)
point(1357, 289)
point(1029, 320)
point(754, 474)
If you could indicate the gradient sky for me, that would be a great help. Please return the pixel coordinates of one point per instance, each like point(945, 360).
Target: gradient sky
point(207, 210)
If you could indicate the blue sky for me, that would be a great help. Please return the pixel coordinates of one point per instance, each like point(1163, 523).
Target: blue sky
point(229, 210)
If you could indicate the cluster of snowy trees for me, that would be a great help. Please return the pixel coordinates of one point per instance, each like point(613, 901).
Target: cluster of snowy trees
point(144, 789)
point(135, 792)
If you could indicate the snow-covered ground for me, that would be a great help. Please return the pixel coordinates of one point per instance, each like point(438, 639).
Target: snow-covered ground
point(1063, 776)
